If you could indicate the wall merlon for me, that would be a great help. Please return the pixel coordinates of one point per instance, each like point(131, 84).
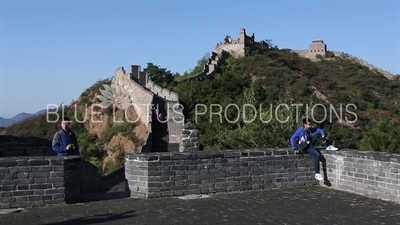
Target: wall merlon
point(374, 174)
point(36, 181)
point(221, 171)
point(370, 173)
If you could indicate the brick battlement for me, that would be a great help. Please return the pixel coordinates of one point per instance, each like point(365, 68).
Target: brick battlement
point(37, 181)
point(166, 174)
point(375, 174)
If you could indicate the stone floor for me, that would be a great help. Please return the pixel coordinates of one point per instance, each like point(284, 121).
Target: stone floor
point(309, 205)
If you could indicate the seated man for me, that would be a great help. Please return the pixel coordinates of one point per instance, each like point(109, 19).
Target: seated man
point(306, 137)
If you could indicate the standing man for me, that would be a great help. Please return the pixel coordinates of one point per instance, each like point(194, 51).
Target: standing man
point(306, 137)
point(64, 141)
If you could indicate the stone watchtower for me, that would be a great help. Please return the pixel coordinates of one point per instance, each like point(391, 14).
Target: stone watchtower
point(317, 47)
point(236, 48)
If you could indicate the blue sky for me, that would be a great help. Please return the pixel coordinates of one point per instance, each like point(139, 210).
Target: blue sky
point(51, 51)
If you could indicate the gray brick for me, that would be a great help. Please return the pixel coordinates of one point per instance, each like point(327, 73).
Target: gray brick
point(50, 180)
point(56, 174)
point(5, 194)
point(54, 191)
point(7, 163)
point(4, 182)
point(38, 162)
point(22, 193)
point(22, 181)
point(42, 169)
point(175, 178)
point(41, 186)
point(39, 174)
point(4, 170)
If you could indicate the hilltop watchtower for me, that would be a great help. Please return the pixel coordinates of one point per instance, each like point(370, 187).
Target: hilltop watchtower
point(317, 47)
point(235, 47)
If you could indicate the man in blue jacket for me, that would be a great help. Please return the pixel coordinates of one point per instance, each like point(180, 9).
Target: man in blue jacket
point(64, 141)
point(306, 137)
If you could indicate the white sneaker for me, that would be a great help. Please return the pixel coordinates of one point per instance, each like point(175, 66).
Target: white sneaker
point(331, 148)
point(318, 176)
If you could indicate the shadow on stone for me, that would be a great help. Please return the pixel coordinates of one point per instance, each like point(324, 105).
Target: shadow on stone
point(98, 188)
point(99, 196)
point(96, 219)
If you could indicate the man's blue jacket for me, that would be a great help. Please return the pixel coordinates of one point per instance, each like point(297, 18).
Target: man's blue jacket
point(301, 136)
point(60, 141)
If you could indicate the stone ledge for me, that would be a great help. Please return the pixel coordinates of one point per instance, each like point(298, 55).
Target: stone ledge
point(152, 175)
point(37, 181)
point(36, 160)
point(379, 156)
point(373, 174)
point(156, 156)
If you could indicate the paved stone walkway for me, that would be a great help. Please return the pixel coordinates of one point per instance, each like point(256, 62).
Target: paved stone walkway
point(309, 206)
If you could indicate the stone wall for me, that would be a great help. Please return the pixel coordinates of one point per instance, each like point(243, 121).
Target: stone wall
point(175, 174)
point(140, 97)
point(316, 48)
point(387, 74)
point(190, 138)
point(37, 181)
point(234, 49)
point(374, 174)
point(212, 66)
point(175, 121)
point(162, 92)
point(312, 57)
point(24, 146)
point(143, 92)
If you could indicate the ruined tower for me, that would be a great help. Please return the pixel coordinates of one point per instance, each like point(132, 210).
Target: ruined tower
point(236, 48)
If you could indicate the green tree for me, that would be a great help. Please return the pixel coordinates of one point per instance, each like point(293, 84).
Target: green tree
point(200, 64)
point(383, 137)
point(159, 75)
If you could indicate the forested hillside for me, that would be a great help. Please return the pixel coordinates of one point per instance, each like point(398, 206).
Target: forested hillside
point(269, 76)
point(364, 99)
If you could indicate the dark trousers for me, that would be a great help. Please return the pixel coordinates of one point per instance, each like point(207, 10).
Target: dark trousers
point(318, 157)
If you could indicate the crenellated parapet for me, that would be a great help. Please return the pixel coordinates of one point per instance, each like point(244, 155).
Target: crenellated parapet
point(374, 174)
point(162, 92)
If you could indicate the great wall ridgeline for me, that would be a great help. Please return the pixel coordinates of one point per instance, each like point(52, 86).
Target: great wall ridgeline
point(144, 90)
point(212, 67)
point(223, 50)
point(318, 47)
point(236, 48)
point(38, 180)
point(143, 94)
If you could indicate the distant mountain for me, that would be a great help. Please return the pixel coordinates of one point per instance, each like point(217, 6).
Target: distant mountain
point(18, 118)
